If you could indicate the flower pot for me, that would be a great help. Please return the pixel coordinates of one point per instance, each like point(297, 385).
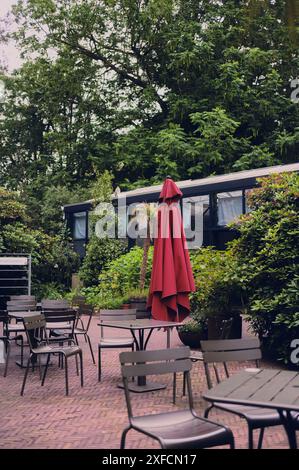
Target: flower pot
point(218, 330)
point(126, 306)
point(140, 305)
point(191, 339)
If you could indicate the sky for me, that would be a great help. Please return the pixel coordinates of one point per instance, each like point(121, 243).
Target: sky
point(9, 54)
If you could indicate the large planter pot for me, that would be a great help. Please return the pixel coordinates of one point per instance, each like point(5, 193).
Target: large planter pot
point(140, 305)
point(191, 339)
point(218, 330)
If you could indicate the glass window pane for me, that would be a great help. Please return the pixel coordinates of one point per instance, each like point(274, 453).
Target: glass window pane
point(229, 206)
point(79, 230)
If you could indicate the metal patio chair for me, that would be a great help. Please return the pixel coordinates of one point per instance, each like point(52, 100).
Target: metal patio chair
point(81, 328)
point(60, 304)
point(181, 429)
point(238, 350)
point(114, 342)
point(39, 344)
point(5, 338)
point(12, 328)
point(22, 298)
point(197, 356)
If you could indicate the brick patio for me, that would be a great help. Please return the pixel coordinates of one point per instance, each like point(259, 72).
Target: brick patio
point(94, 416)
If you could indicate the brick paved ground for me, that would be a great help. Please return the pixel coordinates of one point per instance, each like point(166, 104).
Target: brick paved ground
point(94, 416)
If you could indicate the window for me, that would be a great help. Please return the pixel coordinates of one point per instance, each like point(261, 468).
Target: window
point(195, 210)
point(229, 206)
point(79, 227)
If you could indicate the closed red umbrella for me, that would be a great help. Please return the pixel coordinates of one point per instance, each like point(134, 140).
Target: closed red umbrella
point(172, 278)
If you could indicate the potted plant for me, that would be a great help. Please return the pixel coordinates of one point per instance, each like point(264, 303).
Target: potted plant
point(137, 299)
point(193, 331)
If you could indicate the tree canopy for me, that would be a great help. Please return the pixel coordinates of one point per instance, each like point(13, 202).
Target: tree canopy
point(145, 88)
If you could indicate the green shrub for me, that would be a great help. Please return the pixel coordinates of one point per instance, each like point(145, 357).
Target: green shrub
point(99, 252)
point(218, 289)
point(48, 291)
point(267, 256)
point(119, 278)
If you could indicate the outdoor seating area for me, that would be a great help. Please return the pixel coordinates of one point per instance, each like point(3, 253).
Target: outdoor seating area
point(96, 414)
point(149, 230)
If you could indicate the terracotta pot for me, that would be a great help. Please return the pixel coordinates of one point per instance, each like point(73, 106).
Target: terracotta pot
point(126, 306)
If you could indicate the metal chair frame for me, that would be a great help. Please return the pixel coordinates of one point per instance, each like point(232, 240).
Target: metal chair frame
point(169, 361)
point(114, 315)
point(39, 344)
point(236, 350)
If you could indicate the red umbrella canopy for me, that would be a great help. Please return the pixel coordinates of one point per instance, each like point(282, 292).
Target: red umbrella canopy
point(172, 278)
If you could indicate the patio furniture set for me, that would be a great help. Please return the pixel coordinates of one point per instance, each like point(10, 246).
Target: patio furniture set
point(263, 397)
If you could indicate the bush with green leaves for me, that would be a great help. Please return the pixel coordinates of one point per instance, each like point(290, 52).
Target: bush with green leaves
point(267, 261)
point(100, 251)
point(218, 289)
point(53, 259)
point(118, 279)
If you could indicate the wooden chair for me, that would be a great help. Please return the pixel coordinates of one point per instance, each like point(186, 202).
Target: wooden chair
point(238, 350)
point(114, 342)
point(39, 344)
point(181, 429)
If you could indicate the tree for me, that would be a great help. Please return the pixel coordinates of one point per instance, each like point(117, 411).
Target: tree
point(115, 85)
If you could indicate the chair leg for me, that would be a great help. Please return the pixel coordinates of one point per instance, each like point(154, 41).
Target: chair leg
point(22, 350)
point(81, 368)
point(184, 384)
point(123, 437)
point(77, 367)
point(7, 358)
point(46, 369)
point(207, 411)
point(39, 368)
point(261, 437)
point(100, 365)
point(174, 389)
point(133, 349)
point(250, 437)
point(66, 376)
point(90, 347)
point(25, 375)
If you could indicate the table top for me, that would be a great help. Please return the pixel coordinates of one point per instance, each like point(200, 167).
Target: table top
point(22, 315)
point(266, 388)
point(146, 324)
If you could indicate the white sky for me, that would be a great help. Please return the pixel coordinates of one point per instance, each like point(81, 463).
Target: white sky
point(9, 54)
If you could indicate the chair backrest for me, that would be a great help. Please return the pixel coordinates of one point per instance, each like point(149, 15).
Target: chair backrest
point(61, 304)
point(158, 362)
point(20, 305)
point(23, 297)
point(229, 350)
point(35, 328)
point(117, 315)
point(85, 309)
point(78, 300)
point(4, 320)
point(62, 316)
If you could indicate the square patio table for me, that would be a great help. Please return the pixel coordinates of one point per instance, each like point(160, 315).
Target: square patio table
point(138, 329)
point(265, 388)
